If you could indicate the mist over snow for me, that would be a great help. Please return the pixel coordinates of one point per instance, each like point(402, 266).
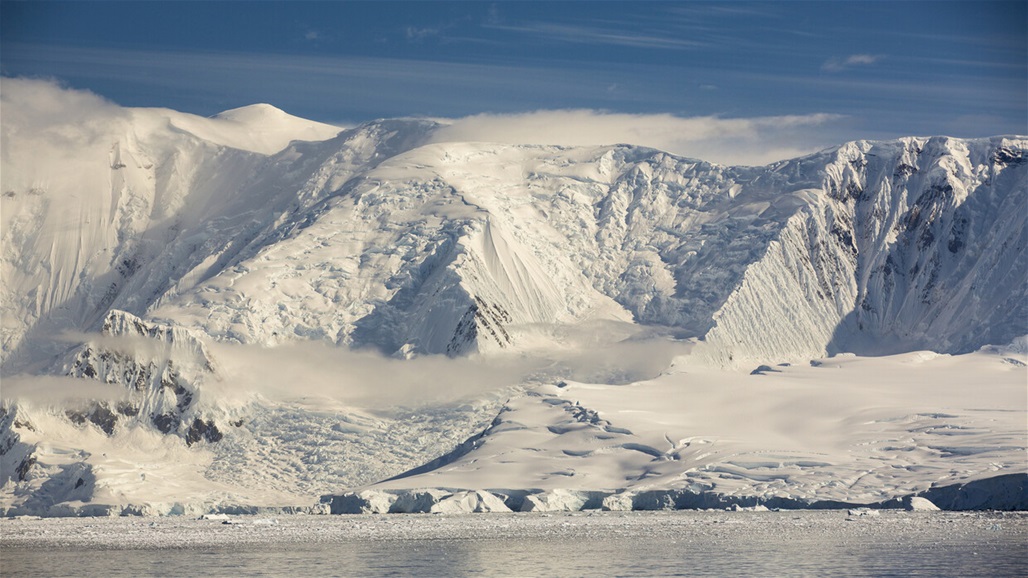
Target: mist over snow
point(562, 309)
point(39, 108)
point(54, 115)
point(600, 353)
point(58, 391)
point(728, 141)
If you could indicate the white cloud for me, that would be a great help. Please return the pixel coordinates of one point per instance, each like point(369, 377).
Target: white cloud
point(605, 353)
point(581, 34)
point(57, 391)
point(749, 141)
point(44, 130)
point(840, 64)
point(35, 106)
point(48, 111)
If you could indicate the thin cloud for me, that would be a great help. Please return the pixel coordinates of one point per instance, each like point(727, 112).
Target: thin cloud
point(576, 34)
point(732, 10)
point(493, 15)
point(746, 141)
point(363, 83)
point(840, 64)
point(730, 141)
point(415, 34)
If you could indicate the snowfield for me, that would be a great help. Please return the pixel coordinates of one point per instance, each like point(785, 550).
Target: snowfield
point(259, 313)
point(845, 429)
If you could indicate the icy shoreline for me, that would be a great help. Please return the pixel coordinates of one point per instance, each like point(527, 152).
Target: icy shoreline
point(1007, 492)
point(1000, 493)
point(217, 531)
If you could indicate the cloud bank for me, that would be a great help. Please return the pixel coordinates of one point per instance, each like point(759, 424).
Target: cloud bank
point(731, 141)
point(64, 118)
point(43, 109)
point(306, 371)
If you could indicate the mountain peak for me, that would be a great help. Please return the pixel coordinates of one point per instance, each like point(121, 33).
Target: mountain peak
point(253, 112)
point(260, 128)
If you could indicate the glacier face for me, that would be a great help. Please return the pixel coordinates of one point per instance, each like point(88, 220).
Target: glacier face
point(162, 232)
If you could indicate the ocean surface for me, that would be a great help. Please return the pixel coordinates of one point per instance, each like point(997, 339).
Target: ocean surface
point(680, 543)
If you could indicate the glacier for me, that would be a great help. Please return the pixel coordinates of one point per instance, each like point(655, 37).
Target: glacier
point(438, 299)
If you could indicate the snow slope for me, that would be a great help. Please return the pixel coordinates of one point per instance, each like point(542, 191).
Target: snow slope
point(110, 211)
point(370, 239)
point(163, 253)
point(843, 429)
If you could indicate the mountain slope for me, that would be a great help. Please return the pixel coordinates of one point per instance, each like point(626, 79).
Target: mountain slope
point(136, 242)
point(370, 239)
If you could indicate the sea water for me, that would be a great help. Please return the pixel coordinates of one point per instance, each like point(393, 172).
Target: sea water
point(681, 543)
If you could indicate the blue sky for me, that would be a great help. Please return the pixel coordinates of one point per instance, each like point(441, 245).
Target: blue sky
point(871, 69)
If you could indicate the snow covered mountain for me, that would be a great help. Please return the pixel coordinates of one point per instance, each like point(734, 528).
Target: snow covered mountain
point(136, 239)
point(369, 239)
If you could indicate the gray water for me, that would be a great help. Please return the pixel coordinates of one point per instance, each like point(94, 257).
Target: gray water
point(580, 544)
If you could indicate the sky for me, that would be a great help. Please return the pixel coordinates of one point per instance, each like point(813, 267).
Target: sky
point(774, 78)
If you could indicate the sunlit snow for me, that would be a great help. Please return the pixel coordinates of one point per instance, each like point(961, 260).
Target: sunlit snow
point(253, 311)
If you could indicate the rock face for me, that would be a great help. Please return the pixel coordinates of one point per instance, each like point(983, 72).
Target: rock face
point(160, 370)
point(163, 366)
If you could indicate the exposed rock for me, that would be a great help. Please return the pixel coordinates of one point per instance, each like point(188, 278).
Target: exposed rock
point(98, 414)
point(203, 431)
